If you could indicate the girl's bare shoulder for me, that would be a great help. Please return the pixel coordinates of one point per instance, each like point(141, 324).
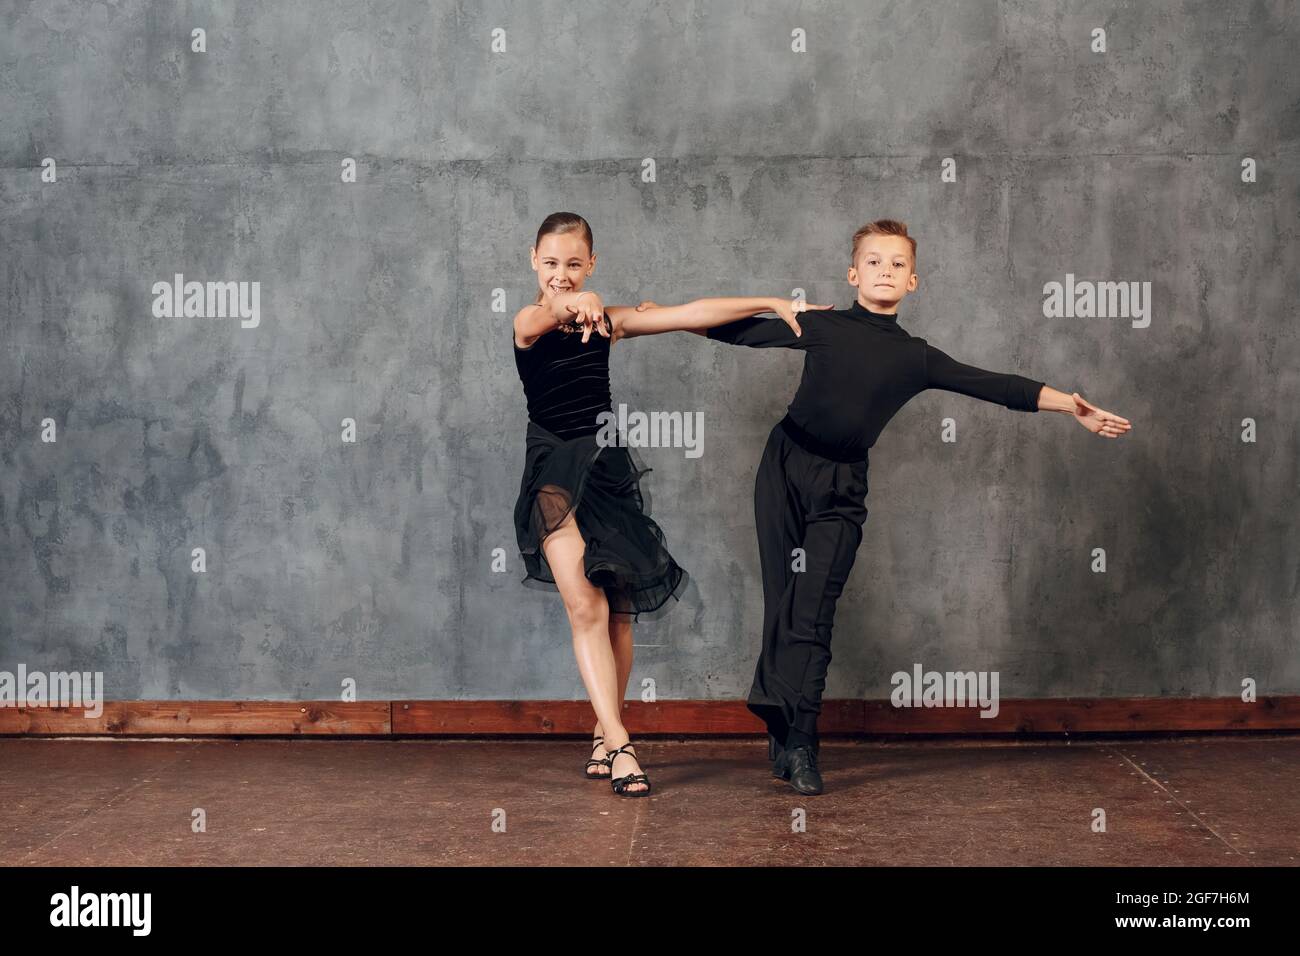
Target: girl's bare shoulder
point(520, 317)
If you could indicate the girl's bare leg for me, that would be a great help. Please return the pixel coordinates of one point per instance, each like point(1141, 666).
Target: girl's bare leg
point(588, 611)
point(620, 638)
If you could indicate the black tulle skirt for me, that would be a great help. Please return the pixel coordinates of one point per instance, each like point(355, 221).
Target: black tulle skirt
point(626, 554)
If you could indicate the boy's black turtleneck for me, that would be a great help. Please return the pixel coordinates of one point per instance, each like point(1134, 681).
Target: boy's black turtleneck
point(860, 367)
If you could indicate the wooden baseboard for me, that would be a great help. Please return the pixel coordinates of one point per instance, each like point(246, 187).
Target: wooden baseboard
point(461, 718)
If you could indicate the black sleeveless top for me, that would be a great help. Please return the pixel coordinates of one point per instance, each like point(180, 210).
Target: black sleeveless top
point(565, 382)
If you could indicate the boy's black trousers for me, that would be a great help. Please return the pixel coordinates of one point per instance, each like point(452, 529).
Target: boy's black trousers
point(802, 499)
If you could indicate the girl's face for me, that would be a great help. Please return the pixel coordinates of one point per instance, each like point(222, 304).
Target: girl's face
point(562, 263)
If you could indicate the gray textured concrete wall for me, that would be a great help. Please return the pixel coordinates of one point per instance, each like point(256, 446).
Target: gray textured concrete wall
point(372, 560)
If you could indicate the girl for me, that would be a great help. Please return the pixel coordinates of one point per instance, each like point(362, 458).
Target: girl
point(580, 519)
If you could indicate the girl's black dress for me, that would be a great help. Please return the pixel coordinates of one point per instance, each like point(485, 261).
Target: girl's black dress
point(566, 470)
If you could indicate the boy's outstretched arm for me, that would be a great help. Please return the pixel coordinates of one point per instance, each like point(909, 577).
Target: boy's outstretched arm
point(1096, 420)
point(1016, 392)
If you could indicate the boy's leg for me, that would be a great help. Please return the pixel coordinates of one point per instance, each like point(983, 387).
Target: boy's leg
point(831, 543)
point(778, 518)
point(797, 652)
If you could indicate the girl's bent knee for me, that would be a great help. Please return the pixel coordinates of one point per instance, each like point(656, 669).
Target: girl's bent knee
point(587, 614)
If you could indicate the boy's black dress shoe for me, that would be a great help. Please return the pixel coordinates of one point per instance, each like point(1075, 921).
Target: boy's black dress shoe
point(799, 766)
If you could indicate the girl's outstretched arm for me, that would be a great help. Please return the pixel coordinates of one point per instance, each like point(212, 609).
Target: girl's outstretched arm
point(701, 314)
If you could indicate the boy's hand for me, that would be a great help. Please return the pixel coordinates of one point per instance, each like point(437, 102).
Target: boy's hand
point(787, 309)
point(1097, 421)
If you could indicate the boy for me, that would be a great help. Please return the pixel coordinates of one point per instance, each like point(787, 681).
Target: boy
point(860, 368)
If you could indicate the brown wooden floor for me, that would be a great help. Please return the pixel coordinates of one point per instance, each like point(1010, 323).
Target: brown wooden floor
point(1209, 800)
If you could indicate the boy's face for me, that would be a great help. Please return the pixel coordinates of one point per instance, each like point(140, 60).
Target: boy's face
point(882, 271)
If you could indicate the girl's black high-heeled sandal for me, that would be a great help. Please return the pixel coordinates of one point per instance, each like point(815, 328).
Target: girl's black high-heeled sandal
point(620, 784)
point(593, 762)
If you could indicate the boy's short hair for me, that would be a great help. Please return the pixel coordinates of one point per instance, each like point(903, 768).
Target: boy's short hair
point(882, 227)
